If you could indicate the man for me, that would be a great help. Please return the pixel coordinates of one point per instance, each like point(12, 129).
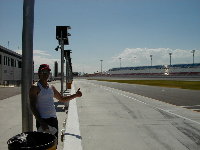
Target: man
point(42, 103)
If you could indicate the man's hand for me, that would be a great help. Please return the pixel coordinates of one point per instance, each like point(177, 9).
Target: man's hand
point(78, 93)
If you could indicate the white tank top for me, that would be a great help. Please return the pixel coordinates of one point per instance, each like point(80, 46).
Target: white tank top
point(45, 102)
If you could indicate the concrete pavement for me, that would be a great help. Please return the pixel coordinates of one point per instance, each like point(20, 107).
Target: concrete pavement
point(11, 118)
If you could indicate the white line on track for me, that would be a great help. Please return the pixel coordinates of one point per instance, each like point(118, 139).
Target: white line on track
point(158, 108)
point(189, 106)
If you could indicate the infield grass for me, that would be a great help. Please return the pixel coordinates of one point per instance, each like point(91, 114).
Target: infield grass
point(192, 85)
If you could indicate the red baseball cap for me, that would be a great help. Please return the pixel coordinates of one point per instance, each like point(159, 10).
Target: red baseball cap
point(44, 66)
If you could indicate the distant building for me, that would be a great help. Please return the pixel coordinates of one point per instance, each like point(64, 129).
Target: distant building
point(10, 66)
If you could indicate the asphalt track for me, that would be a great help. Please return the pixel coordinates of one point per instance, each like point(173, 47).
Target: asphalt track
point(115, 117)
point(180, 97)
point(7, 92)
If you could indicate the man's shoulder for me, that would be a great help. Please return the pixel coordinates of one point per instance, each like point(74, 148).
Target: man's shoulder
point(34, 87)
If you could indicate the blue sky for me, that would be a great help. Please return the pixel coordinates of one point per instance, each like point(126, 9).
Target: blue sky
point(108, 30)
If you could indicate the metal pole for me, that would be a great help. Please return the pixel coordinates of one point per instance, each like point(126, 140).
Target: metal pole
point(170, 62)
point(101, 66)
point(193, 51)
point(134, 61)
point(67, 72)
point(62, 63)
point(27, 63)
point(120, 62)
point(151, 59)
point(193, 58)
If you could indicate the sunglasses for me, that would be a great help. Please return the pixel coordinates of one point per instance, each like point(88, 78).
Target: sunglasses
point(45, 72)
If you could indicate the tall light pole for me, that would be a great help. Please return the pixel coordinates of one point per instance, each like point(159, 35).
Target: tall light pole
point(68, 66)
point(134, 60)
point(120, 62)
point(62, 63)
point(151, 59)
point(170, 62)
point(62, 37)
point(27, 59)
point(62, 60)
point(101, 66)
point(193, 51)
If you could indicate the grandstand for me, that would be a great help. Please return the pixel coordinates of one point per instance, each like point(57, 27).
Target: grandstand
point(163, 70)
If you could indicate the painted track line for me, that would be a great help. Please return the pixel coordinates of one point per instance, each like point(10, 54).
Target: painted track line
point(154, 107)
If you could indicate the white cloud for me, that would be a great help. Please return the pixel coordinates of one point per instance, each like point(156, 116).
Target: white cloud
point(130, 57)
point(35, 52)
point(41, 57)
point(39, 52)
point(18, 51)
point(38, 60)
point(84, 68)
point(160, 56)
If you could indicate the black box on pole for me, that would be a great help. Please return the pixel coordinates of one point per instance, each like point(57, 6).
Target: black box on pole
point(67, 53)
point(61, 32)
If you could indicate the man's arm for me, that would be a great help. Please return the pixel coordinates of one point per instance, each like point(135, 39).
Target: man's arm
point(61, 98)
point(34, 90)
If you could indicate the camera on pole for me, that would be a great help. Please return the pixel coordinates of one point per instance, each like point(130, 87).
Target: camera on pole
point(57, 48)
